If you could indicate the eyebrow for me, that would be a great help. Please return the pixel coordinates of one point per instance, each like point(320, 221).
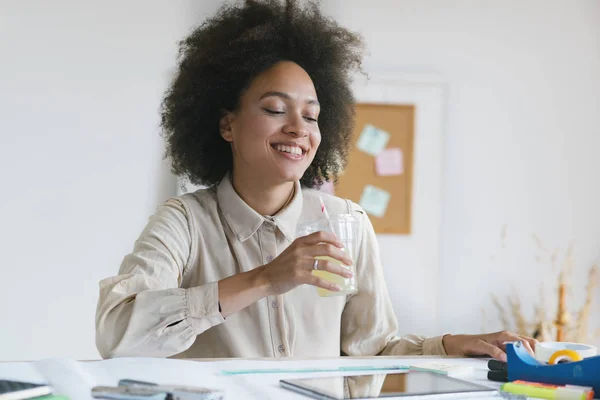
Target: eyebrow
point(287, 97)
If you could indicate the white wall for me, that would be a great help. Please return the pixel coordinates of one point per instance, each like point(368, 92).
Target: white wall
point(81, 157)
point(522, 137)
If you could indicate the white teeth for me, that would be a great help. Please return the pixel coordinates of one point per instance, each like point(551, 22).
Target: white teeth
point(289, 149)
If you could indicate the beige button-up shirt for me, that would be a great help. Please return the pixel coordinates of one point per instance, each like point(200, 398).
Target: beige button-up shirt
point(164, 301)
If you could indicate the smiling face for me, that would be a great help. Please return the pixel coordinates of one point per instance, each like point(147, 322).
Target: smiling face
point(274, 134)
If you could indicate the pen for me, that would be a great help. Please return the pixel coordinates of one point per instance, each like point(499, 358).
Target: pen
point(132, 382)
point(308, 370)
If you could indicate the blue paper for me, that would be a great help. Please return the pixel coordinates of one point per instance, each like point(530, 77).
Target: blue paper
point(375, 200)
point(372, 140)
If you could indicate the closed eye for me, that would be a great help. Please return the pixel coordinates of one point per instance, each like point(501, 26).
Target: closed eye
point(274, 112)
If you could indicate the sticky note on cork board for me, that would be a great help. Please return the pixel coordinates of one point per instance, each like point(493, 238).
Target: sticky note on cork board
point(389, 162)
point(372, 140)
point(375, 200)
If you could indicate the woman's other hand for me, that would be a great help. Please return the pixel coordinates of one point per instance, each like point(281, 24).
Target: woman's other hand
point(489, 344)
point(294, 266)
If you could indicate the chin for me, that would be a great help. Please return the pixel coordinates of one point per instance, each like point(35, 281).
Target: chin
point(289, 176)
point(283, 172)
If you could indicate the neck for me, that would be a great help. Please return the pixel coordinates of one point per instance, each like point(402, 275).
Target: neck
point(261, 196)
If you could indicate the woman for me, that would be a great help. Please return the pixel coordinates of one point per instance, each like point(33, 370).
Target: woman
point(260, 111)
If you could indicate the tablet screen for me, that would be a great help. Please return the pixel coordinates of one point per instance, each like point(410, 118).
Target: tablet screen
point(381, 386)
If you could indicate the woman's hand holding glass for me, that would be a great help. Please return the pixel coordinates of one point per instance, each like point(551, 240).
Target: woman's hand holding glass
point(295, 265)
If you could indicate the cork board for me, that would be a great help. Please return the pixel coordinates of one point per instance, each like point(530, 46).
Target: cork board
point(361, 172)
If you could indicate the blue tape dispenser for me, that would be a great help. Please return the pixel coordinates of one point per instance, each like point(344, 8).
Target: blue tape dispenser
point(523, 366)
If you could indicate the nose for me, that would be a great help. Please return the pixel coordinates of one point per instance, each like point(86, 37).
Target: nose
point(296, 126)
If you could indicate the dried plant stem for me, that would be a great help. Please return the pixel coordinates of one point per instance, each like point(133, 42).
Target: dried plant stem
point(502, 312)
point(543, 324)
point(522, 327)
point(583, 317)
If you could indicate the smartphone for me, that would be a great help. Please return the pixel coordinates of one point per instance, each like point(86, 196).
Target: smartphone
point(15, 390)
point(155, 392)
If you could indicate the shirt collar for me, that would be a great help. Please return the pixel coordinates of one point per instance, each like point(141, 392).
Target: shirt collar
point(287, 219)
point(244, 221)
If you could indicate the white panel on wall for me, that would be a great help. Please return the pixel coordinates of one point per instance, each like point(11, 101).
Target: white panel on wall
point(411, 262)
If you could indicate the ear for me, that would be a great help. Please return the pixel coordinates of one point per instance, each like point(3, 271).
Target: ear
point(225, 126)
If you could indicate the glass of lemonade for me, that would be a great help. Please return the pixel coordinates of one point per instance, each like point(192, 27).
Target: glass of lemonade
point(345, 228)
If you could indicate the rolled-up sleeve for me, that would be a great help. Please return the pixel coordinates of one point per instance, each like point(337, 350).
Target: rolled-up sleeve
point(369, 325)
point(143, 311)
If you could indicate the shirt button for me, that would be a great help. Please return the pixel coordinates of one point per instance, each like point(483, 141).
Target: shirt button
point(270, 227)
point(269, 258)
point(123, 283)
point(274, 304)
point(281, 348)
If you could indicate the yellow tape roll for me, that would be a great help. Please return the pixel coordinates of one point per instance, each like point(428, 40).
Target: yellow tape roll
point(568, 355)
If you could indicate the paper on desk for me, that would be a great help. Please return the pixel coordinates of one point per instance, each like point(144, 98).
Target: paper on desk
point(170, 372)
point(68, 378)
point(76, 379)
point(21, 371)
point(284, 363)
point(453, 370)
point(278, 370)
point(342, 365)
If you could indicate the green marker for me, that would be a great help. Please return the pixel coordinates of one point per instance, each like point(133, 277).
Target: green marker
point(542, 391)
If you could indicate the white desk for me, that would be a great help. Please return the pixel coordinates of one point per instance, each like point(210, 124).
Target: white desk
point(267, 385)
point(62, 373)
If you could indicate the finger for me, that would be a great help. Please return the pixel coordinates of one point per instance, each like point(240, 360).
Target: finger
point(481, 347)
point(527, 347)
point(532, 342)
point(323, 284)
point(320, 237)
point(502, 338)
point(334, 268)
point(512, 337)
point(328, 250)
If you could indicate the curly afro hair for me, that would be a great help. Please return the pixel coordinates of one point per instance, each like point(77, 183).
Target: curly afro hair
point(219, 60)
